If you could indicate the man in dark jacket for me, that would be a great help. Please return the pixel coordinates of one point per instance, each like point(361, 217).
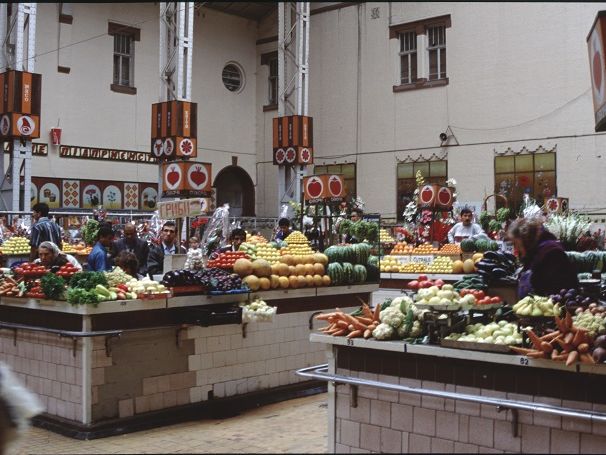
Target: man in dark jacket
point(155, 259)
point(131, 243)
point(44, 230)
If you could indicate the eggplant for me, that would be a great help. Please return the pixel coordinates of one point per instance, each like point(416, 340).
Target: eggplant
point(600, 341)
point(509, 256)
point(499, 273)
point(599, 354)
point(492, 255)
point(485, 265)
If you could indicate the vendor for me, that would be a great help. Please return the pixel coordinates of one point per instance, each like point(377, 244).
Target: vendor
point(354, 217)
point(99, 259)
point(49, 255)
point(168, 246)
point(546, 267)
point(283, 229)
point(466, 228)
point(237, 237)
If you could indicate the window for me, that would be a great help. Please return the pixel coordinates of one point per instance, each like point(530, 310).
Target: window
point(432, 171)
point(271, 60)
point(124, 60)
point(232, 77)
point(123, 79)
point(532, 174)
point(348, 171)
point(408, 57)
point(436, 40)
point(422, 53)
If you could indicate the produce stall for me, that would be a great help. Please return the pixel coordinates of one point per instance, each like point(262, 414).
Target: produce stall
point(108, 353)
point(446, 370)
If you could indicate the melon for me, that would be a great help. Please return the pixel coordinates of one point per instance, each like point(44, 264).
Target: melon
point(326, 280)
point(287, 259)
point(299, 269)
point(318, 268)
point(468, 266)
point(309, 281)
point(318, 280)
point(284, 282)
point(321, 258)
point(292, 270)
point(275, 281)
point(457, 267)
point(308, 259)
point(302, 281)
point(296, 260)
point(477, 256)
point(252, 282)
point(309, 269)
point(275, 269)
point(261, 268)
point(264, 283)
point(243, 267)
point(293, 282)
point(283, 269)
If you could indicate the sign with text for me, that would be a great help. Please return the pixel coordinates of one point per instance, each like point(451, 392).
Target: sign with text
point(184, 208)
point(94, 153)
point(422, 259)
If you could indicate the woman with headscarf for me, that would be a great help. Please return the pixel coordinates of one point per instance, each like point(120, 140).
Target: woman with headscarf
point(546, 267)
point(49, 255)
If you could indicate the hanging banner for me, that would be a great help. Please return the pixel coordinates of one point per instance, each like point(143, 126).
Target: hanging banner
point(597, 64)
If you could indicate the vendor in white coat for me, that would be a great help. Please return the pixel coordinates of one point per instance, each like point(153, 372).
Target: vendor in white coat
point(466, 228)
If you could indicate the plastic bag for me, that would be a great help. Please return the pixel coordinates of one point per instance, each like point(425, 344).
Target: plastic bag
point(217, 231)
point(531, 209)
point(22, 404)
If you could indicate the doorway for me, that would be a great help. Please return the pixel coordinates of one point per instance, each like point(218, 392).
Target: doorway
point(235, 187)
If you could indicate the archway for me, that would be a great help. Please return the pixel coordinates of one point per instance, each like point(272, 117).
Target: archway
point(235, 187)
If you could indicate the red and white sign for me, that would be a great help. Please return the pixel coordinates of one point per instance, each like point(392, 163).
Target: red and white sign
point(336, 186)
point(305, 155)
point(186, 147)
point(26, 125)
point(291, 155)
point(314, 188)
point(556, 204)
point(55, 136)
point(169, 147)
point(597, 64)
point(158, 148)
point(173, 175)
point(197, 177)
point(445, 198)
point(428, 195)
point(5, 125)
point(280, 156)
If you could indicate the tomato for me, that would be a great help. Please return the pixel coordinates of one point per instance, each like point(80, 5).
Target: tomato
point(413, 284)
point(495, 300)
point(481, 294)
point(422, 277)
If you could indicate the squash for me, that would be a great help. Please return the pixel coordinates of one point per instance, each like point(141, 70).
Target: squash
point(326, 280)
point(309, 281)
point(299, 269)
point(293, 282)
point(284, 282)
point(275, 281)
point(243, 267)
point(468, 266)
point(261, 268)
point(264, 283)
point(318, 269)
point(283, 269)
point(309, 269)
point(318, 280)
point(457, 267)
point(320, 258)
point(252, 282)
point(302, 281)
point(477, 256)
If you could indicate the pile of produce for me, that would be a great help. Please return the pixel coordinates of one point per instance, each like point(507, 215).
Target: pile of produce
point(535, 306)
point(593, 319)
point(77, 249)
point(51, 286)
point(385, 237)
point(28, 269)
point(497, 267)
point(480, 298)
point(194, 260)
point(361, 230)
point(255, 239)
point(502, 332)
point(470, 282)
point(10, 288)
point(402, 248)
point(84, 289)
point(260, 274)
point(480, 245)
point(226, 260)
point(357, 253)
point(588, 261)
point(141, 288)
point(257, 311)
point(435, 296)
point(425, 248)
point(571, 297)
point(215, 279)
point(175, 278)
point(16, 246)
point(117, 276)
point(269, 252)
point(346, 273)
point(66, 271)
point(412, 267)
point(441, 264)
point(452, 249)
point(423, 282)
point(569, 343)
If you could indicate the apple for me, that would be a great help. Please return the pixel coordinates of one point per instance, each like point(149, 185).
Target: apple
point(413, 284)
point(198, 176)
point(438, 283)
point(314, 187)
point(335, 186)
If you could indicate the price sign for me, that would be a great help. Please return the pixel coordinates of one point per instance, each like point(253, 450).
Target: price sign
point(404, 259)
point(426, 259)
point(183, 208)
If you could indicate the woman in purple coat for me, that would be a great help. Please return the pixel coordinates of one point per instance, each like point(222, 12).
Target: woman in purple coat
point(546, 269)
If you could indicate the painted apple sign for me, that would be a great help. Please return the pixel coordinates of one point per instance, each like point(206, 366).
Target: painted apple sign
point(314, 187)
point(197, 177)
point(427, 195)
point(445, 197)
point(172, 177)
point(335, 186)
point(596, 59)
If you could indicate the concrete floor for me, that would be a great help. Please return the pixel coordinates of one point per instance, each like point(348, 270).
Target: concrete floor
point(294, 426)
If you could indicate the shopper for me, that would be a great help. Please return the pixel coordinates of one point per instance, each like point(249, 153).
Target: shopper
point(99, 259)
point(128, 262)
point(168, 245)
point(43, 230)
point(466, 228)
point(49, 255)
point(354, 217)
point(546, 267)
point(237, 237)
point(194, 243)
point(283, 229)
point(131, 243)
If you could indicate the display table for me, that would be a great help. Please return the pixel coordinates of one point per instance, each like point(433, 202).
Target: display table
point(132, 364)
point(470, 401)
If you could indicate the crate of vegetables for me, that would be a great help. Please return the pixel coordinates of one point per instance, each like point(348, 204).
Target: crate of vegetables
point(226, 260)
point(27, 269)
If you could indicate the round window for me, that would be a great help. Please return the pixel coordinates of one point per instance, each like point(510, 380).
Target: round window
point(232, 77)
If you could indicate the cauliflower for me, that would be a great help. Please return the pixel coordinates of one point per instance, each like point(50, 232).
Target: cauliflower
point(403, 303)
point(392, 316)
point(418, 314)
point(383, 332)
point(417, 329)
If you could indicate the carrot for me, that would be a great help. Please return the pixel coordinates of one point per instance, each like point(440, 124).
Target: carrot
point(572, 357)
point(334, 330)
point(327, 328)
point(339, 333)
point(560, 324)
point(367, 333)
point(554, 354)
point(583, 348)
point(561, 357)
point(522, 351)
point(324, 316)
point(550, 336)
point(355, 334)
point(587, 358)
point(364, 320)
point(536, 342)
point(367, 312)
point(342, 324)
point(565, 346)
point(578, 338)
point(351, 328)
point(536, 355)
point(546, 347)
point(568, 338)
point(377, 312)
point(568, 320)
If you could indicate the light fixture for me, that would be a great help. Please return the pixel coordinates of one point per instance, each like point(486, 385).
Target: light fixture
point(446, 135)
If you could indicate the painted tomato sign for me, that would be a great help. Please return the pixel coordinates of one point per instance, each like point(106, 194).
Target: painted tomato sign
point(597, 66)
point(314, 188)
point(556, 204)
point(428, 195)
point(444, 198)
point(336, 187)
point(329, 188)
